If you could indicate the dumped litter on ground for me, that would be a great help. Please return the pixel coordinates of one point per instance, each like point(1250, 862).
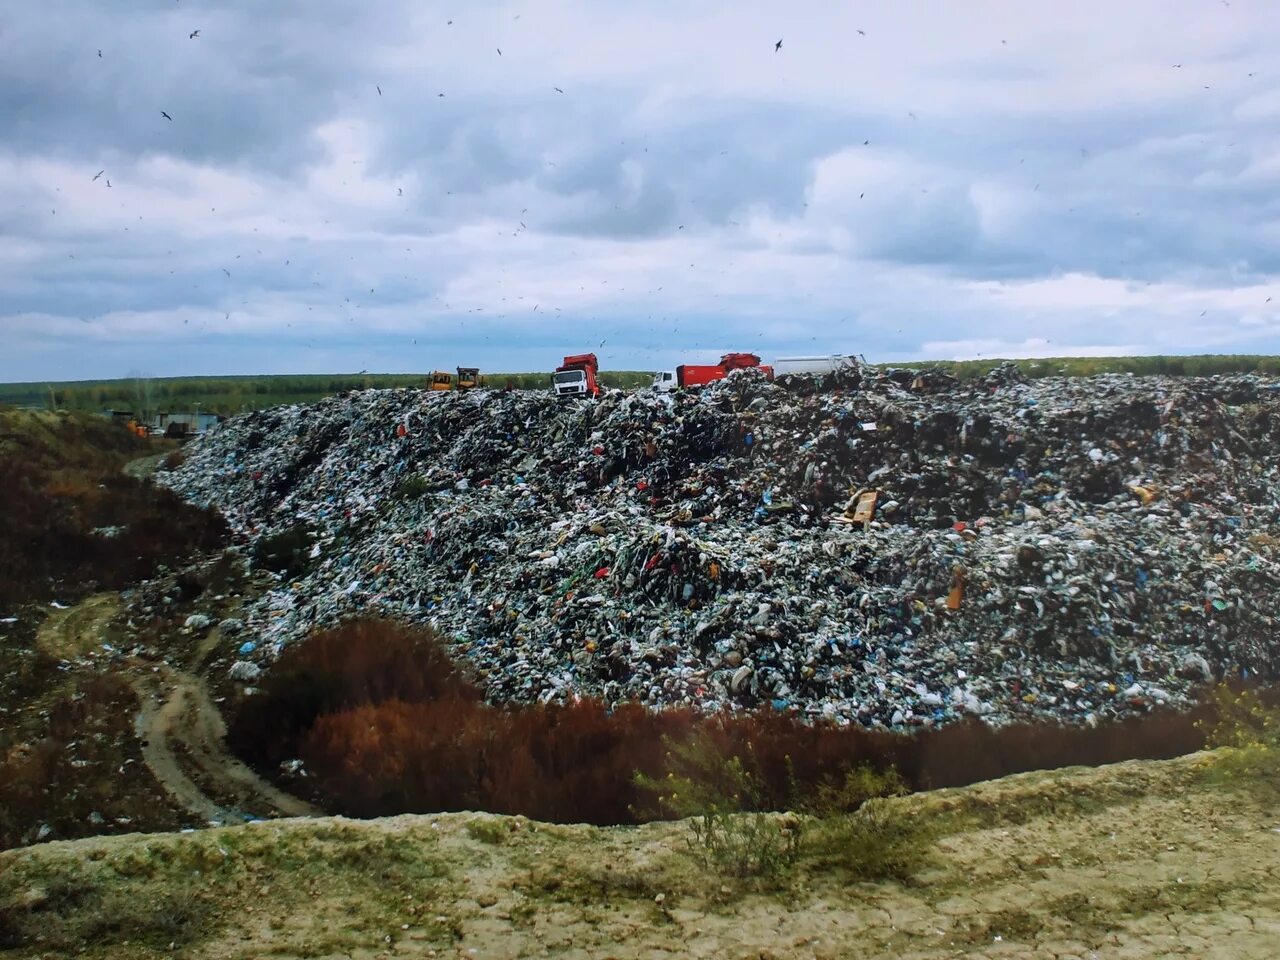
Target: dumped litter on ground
point(887, 547)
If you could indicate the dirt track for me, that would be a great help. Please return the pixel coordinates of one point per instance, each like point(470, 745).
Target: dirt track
point(183, 735)
point(180, 728)
point(144, 467)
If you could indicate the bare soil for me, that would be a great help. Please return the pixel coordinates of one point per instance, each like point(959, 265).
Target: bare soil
point(1141, 859)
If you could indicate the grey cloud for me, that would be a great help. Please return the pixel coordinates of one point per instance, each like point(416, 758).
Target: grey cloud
point(1164, 183)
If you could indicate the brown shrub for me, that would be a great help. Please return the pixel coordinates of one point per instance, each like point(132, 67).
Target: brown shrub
point(359, 662)
point(386, 724)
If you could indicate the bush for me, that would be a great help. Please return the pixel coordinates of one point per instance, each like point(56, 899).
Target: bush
point(287, 552)
point(1247, 731)
point(349, 666)
point(877, 842)
point(714, 791)
point(411, 487)
point(74, 767)
point(386, 724)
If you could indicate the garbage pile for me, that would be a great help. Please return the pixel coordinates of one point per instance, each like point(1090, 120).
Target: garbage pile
point(886, 547)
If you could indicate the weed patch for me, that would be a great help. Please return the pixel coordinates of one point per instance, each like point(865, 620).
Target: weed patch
point(1247, 729)
point(287, 552)
point(488, 831)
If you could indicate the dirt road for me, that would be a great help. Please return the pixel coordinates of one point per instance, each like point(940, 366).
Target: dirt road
point(180, 728)
point(144, 467)
point(184, 744)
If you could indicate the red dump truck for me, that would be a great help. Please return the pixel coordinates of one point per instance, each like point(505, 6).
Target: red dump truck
point(697, 375)
point(576, 377)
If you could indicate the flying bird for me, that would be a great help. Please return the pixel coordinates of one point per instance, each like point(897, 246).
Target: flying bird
point(193, 34)
point(777, 46)
point(862, 32)
point(97, 175)
point(379, 89)
point(226, 271)
point(99, 54)
point(108, 182)
point(557, 90)
point(166, 116)
point(399, 192)
point(499, 49)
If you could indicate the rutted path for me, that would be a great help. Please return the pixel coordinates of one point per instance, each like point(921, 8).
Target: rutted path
point(180, 728)
point(143, 467)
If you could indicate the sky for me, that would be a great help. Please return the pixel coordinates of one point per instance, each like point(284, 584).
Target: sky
point(407, 185)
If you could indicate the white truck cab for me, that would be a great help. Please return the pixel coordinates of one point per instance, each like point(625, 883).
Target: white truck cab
point(664, 381)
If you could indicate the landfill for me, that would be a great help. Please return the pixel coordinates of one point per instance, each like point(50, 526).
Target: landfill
point(886, 547)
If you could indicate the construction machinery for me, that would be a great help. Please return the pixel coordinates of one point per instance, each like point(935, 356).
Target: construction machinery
point(468, 378)
point(696, 375)
point(576, 377)
point(440, 381)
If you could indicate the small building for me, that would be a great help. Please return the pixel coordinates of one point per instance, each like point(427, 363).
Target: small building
point(183, 424)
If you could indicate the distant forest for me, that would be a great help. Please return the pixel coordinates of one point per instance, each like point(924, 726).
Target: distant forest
point(227, 395)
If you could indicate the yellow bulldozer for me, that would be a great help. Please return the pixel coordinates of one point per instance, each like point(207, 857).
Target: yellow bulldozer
point(468, 378)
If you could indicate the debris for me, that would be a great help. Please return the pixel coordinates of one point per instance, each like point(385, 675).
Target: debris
point(245, 671)
point(637, 548)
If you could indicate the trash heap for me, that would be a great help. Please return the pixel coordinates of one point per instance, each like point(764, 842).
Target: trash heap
point(891, 548)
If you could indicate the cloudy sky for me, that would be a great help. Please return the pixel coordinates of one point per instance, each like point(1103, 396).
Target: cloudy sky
point(408, 184)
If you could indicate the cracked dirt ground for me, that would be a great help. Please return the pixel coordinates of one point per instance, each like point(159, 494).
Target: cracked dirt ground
point(1140, 859)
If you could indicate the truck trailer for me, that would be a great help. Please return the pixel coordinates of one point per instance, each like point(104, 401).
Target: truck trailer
point(814, 366)
point(690, 375)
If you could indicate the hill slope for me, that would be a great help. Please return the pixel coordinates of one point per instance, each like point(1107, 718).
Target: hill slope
point(1134, 860)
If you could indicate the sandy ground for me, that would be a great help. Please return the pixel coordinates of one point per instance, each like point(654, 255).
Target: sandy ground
point(1142, 859)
